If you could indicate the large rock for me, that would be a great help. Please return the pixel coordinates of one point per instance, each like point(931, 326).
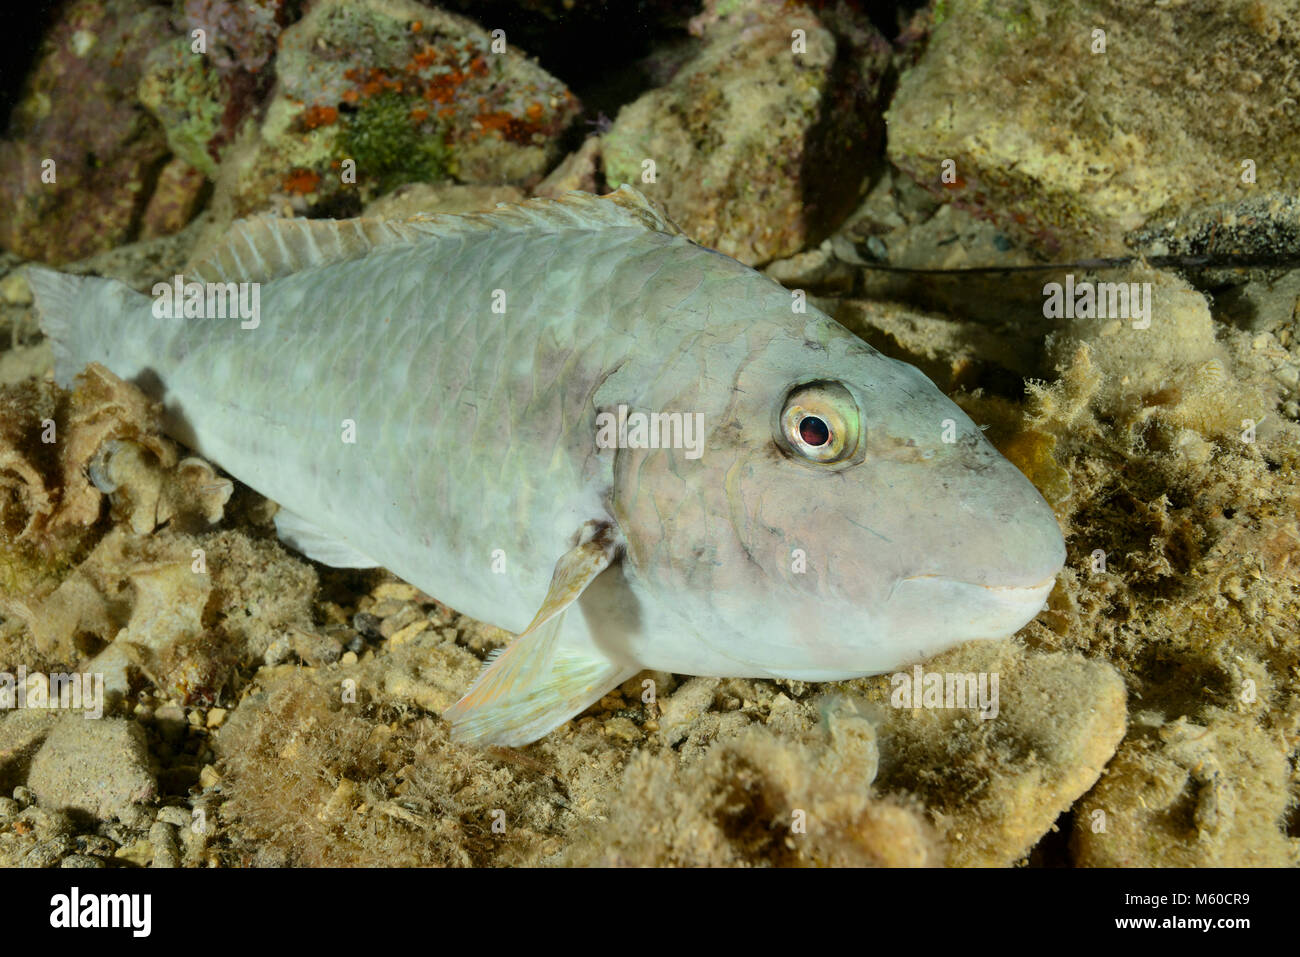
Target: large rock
point(406, 93)
point(79, 113)
point(99, 767)
point(995, 785)
point(758, 149)
point(1183, 794)
point(1071, 148)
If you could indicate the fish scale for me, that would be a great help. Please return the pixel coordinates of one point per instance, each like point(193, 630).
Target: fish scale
point(476, 432)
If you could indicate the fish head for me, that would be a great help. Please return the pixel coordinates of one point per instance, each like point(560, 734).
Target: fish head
point(844, 518)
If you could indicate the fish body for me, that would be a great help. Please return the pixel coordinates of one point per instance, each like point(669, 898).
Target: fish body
point(431, 396)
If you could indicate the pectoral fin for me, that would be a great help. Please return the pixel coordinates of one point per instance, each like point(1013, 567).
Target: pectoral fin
point(528, 684)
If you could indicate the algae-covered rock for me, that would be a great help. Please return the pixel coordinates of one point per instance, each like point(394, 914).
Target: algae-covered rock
point(1168, 361)
point(202, 86)
point(80, 155)
point(1181, 794)
point(185, 93)
point(371, 95)
point(1072, 123)
point(997, 775)
point(760, 142)
point(759, 798)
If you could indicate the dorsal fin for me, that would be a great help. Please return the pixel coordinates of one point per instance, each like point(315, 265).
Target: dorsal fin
point(264, 248)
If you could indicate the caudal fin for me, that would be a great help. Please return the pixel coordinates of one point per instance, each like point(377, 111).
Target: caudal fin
point(81, 316)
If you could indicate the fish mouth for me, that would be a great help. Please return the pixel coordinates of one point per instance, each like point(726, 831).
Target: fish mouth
point(966, 610)
point(1003, 591)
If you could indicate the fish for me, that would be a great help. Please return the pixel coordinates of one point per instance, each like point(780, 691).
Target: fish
point(567, 419)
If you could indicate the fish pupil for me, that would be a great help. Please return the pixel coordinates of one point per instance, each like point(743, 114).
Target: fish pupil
point(814, 431)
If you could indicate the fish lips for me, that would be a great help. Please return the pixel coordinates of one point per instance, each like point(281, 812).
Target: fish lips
point(953, 610)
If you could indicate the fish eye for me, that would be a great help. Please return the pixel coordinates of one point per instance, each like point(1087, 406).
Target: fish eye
point(820, 422)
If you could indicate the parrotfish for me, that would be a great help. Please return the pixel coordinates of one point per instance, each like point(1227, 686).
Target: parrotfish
point(567, 419)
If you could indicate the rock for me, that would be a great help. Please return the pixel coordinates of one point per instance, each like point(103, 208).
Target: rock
point(398, 619)
point(1182, 794)
point(78, 112)
point(97, 767)
point(139, 853)
point(179, 817)
point(177, 197)
point(995, 786)
point(1178, 369)
point(757, 150)
point(579, 170)
point(398, 591)
point(202, 96)
point(405, 634)
point(95, 845)
point(687, 703)
point(1070, 147)
point(48, 853)
point(83, 861)
point(761, 799)
point(394, 92)
point(46, 822)
point(315, 650)
point(15, 290)
point(166, 851)
point(21, 733)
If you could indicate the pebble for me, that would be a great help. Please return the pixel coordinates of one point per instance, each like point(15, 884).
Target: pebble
point(23, 796)
point(389, 607)
point(166, 852)
point(136, 817)
point(395, 623)
point(217, 717)
point(139, 853)
point(366, 624)
point(175, 815)
point(45, 822)
point(315, 650)
point(95, 845)
point(82, 860)
point(48, 853)
point(9, 809)
point(622, 729)
point(400, 591)
point(208, 777)
point(277, 651)
point(15, 290)
point(404, 635)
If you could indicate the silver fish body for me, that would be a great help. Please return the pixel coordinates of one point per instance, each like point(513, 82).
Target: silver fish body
point(469, 360)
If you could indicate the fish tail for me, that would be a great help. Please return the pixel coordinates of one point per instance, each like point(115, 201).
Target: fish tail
point(82, 316)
